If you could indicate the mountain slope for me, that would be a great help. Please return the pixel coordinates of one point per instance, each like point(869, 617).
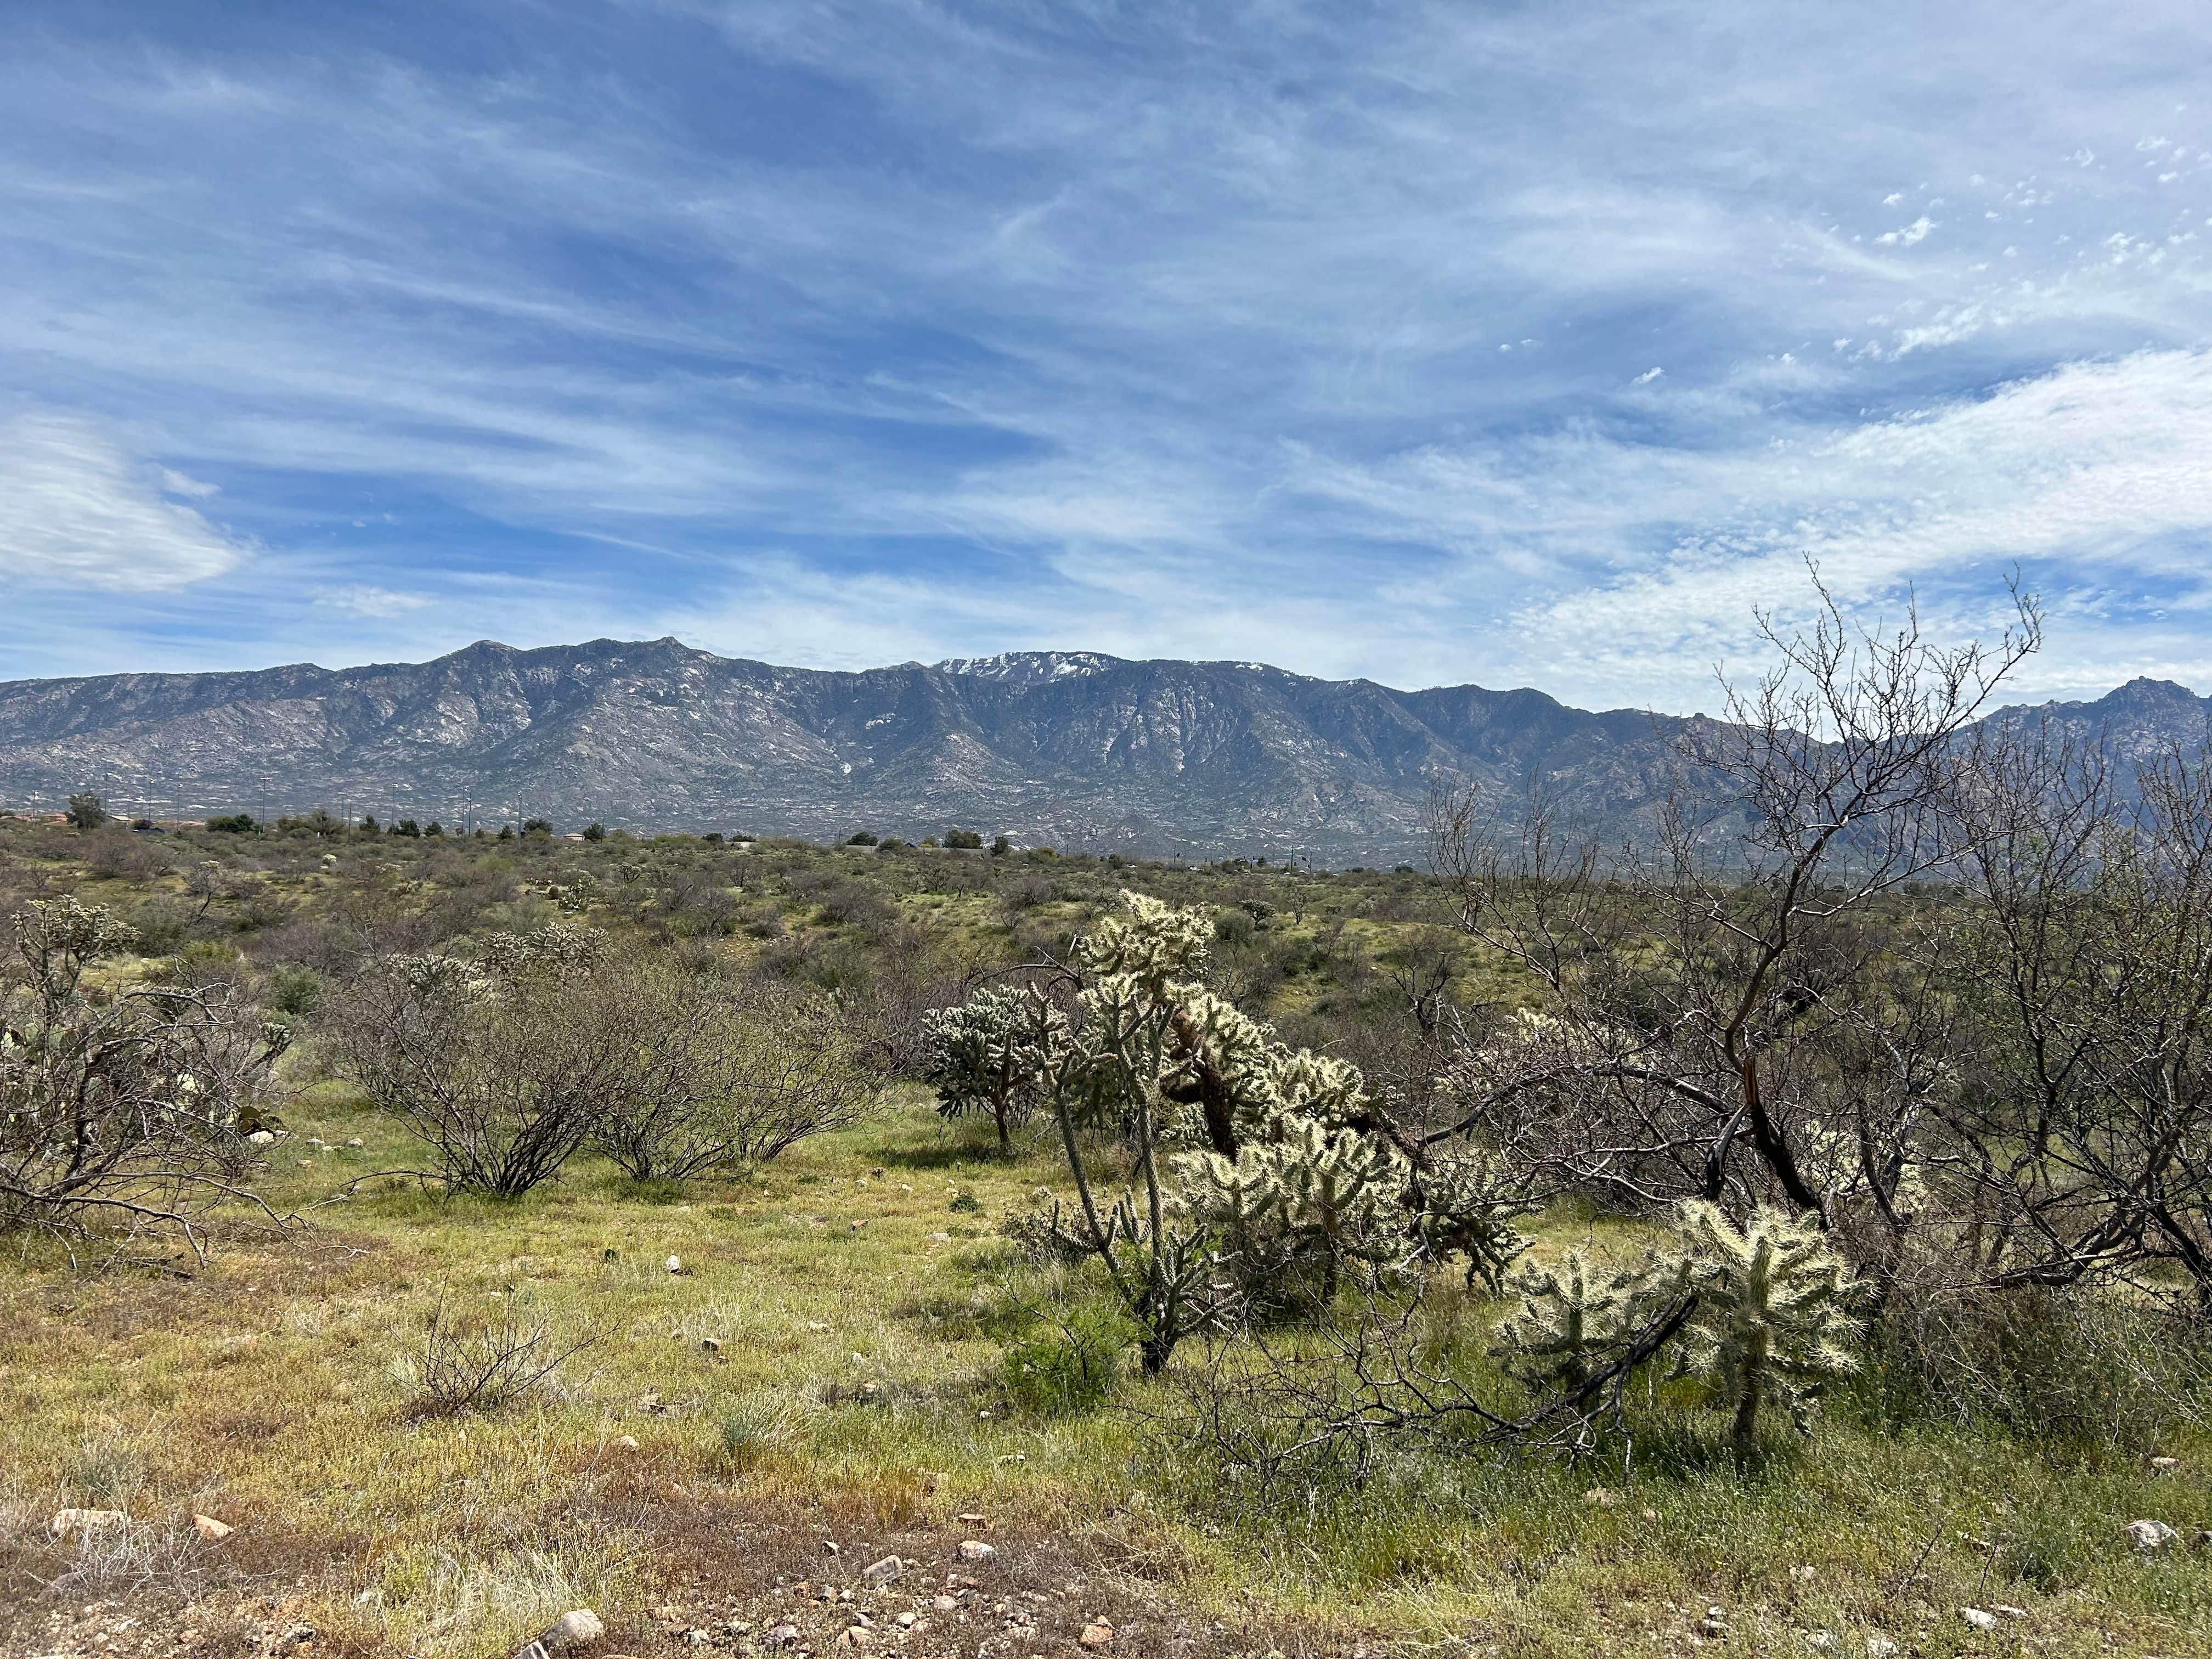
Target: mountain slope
point(1071, 749)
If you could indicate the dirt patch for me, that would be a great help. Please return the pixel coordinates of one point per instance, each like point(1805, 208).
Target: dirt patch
point(156, 1590)
point(724, 1573)
point(733, 1574)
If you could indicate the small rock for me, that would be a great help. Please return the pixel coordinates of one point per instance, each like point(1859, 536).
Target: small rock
point(833, 1547)
point(856, 1640)
point(355, 1141)
point(66, 1522)
point(816, 1325)
point(1978, 1618)
point(261, 1138)
point(974, 1549)
point(1097, 1635)
point(675, 1264)
point(1803, 1575)
point(710, 1344)
point(979, 1523)
point(2165, 1465)
point(779, 1636)
point(877, 1574)
point(211, 1528)
point(945, 1604)
point(1714, 1625)
point(573, 1629)
point(2148, 1535)
point(625, 1443)
point(1881, 1647)
point(906, 1620)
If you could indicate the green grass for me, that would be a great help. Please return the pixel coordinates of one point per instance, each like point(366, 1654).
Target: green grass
point(884, 1358)
point(856, 1365)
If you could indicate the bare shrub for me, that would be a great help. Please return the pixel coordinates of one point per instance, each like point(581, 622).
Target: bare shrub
point(851, 904)
point(486, 1362)
point(729, 1076)
point(505, 1074)
point(116, 854)
point(126, 1110)
point(1723, 1015)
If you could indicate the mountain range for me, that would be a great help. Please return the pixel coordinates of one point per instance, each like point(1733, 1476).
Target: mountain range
point(1070, 749)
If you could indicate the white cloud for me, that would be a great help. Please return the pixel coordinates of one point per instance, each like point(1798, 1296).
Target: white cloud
point(181, 483)
point(76, 511)
point(362, 600)
point(1642, 565)
point(1162, 347)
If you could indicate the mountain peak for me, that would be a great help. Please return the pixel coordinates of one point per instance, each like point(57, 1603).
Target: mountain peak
point(1031, 667)
point(2144, 689)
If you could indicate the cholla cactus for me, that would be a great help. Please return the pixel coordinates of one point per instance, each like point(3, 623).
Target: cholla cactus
point(1773, 1319)
point(57, 939)
point(1575, 1319)
point(995, 1053)
point(1466, 1205)
point(577, 893)
point(1291, 1165)
point(1294, 1209)
point(555, 948)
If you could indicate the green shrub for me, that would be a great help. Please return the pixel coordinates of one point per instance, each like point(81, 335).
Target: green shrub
point(162, 927)
point(1071, 1368)
point(297, 991)
point(746, 1431)
point(2080, 1368)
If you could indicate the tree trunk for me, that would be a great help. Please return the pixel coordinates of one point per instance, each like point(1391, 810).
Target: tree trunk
point(1745, 1434)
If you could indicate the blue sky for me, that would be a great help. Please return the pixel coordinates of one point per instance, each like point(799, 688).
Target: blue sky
point(1520, 345)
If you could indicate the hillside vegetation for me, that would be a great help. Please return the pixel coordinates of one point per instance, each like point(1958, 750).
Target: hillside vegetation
point(941, 1249)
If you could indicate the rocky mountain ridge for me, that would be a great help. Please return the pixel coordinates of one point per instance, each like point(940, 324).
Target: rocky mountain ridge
point(1074, 748)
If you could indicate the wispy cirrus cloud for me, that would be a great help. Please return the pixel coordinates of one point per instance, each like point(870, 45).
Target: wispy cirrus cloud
point(1326, 335)
point(77, 509)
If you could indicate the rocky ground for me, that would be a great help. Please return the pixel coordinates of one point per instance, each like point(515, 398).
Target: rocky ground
point(742, 1587)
